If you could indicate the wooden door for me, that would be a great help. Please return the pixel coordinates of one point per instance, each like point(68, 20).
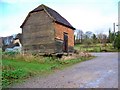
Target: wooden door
point(65, 46)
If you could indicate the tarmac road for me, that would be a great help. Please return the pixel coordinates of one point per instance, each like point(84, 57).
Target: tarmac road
point(100, 72)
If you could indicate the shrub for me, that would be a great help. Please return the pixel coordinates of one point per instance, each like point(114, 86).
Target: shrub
point(10, 76)
point(13, 74)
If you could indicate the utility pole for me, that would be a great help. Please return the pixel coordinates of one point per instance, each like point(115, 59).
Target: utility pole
point(119, 16)
point(114, 27)
point(113, 34)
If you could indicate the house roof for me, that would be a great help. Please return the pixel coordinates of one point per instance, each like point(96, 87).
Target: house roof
point(8, 41)
point(18, 36)
point(53, 14)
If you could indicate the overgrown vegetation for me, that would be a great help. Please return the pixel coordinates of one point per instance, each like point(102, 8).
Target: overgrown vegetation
point(117, 40)
point(16, 67)
point(100, 42)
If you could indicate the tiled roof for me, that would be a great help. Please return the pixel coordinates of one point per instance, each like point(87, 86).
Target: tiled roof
point(55, 16)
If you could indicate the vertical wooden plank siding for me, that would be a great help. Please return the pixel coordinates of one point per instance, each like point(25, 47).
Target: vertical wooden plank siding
point(38, 33)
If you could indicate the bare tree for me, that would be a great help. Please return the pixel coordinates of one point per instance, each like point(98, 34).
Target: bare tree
point(79, 36)
point(100, 37)
point(89, 34)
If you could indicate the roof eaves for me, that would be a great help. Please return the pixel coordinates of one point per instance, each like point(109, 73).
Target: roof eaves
point(25, 20)
point(65, 25)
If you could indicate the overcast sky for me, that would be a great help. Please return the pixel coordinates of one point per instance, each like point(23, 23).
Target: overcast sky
point(87, 15)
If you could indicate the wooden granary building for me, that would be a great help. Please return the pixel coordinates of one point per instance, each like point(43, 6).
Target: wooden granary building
point(46, 31)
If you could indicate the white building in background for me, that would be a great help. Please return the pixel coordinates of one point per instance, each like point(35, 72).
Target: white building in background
point(119, 15)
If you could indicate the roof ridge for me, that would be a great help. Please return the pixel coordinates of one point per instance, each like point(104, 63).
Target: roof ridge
point(48, 9)
point(44, 7)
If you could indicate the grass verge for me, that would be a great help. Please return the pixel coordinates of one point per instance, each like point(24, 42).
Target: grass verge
point(18, 68)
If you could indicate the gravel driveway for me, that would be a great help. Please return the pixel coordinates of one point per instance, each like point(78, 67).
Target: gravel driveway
point(100, 72)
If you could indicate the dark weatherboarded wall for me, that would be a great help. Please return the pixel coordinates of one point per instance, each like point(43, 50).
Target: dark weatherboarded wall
point(38, 33)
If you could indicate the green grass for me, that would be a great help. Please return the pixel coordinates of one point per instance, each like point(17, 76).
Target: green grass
point(95, 48)
point(17, 69)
